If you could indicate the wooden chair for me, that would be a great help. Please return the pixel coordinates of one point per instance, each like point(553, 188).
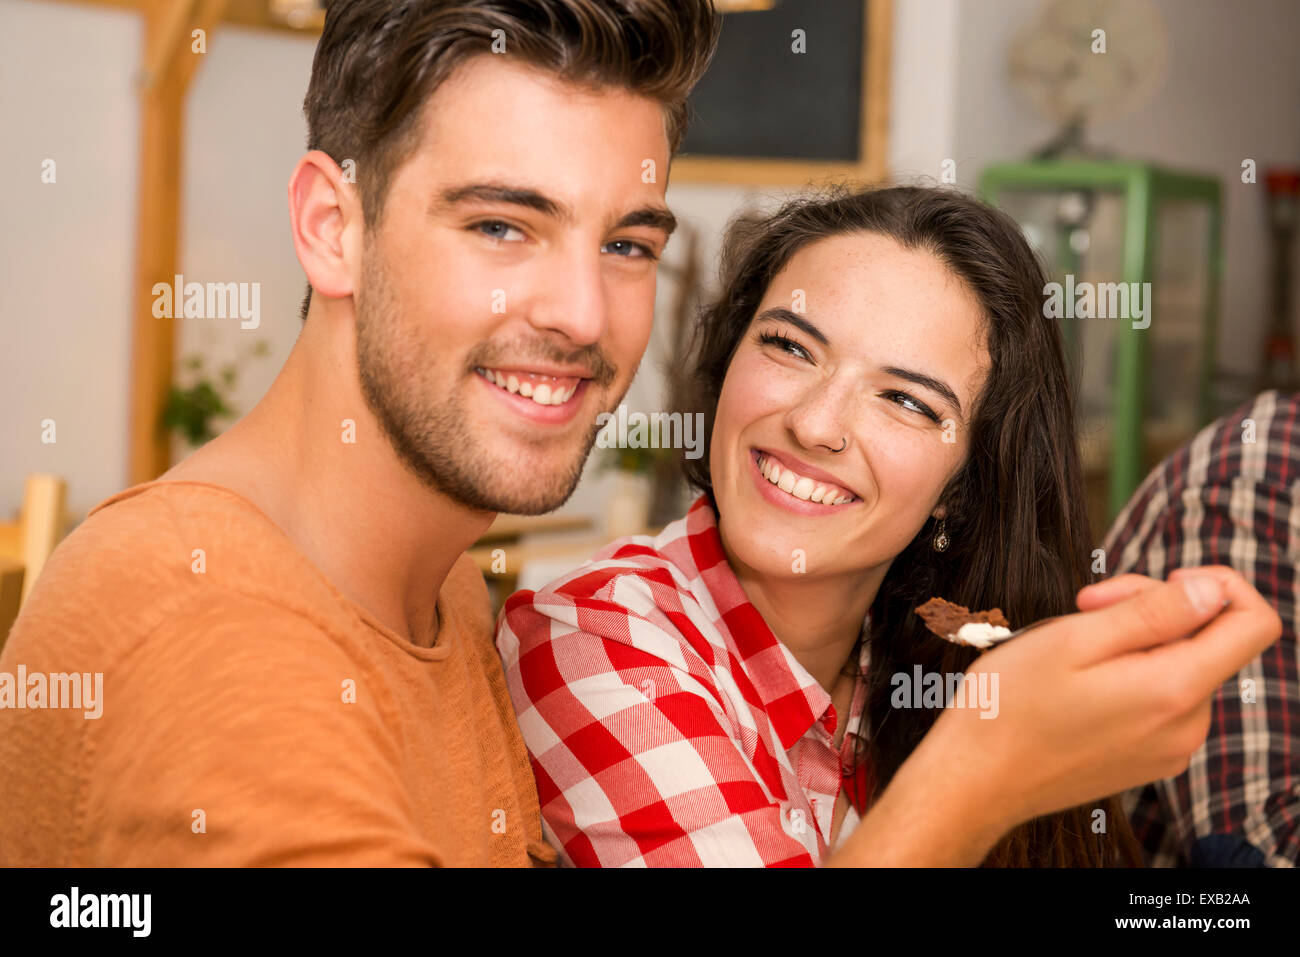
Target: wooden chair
point(28, 542)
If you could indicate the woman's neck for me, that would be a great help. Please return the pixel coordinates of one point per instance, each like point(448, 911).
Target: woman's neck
point(817, 618)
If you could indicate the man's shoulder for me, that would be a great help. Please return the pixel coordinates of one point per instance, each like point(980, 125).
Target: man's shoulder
point(1259, 441)
point(158, 551)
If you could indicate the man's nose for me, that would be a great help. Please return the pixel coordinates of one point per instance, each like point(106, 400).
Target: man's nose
point(571, 298)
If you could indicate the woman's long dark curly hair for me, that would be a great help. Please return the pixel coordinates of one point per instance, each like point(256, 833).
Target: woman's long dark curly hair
point(1016, 516)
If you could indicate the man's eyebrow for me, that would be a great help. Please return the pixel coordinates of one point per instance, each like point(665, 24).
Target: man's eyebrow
point(779, 314)
point(501, 193)
point(929, 382)
point(656, 217)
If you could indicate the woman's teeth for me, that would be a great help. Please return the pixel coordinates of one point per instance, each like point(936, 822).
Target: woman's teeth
point(802, 487)
point(551, 392)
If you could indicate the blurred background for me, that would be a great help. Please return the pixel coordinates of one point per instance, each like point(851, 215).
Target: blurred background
point(1135, 141)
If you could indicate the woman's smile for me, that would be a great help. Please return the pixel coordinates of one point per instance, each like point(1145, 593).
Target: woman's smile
point(790, 484)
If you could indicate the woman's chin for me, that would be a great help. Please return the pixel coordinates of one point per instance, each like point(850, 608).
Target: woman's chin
point(771, 552)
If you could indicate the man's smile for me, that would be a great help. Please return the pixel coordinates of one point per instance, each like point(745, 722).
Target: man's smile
point(543, 388)
point(539, 397)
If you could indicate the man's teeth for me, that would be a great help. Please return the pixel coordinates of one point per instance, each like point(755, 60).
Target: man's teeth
point(800, 486)
point(542, 394)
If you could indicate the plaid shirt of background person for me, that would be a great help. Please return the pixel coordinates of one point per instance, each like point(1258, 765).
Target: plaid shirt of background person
point(1230, 497)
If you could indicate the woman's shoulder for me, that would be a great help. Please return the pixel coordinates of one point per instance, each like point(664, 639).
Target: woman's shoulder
point(666, 562)
point(638, 587)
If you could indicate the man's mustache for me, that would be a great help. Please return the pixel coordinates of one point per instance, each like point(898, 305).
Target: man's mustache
point(518, 356)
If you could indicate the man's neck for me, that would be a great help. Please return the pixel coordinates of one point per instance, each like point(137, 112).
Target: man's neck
point(313, 457)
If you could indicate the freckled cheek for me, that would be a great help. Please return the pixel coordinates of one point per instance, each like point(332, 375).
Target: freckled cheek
point(910, 470)
point(755, 388)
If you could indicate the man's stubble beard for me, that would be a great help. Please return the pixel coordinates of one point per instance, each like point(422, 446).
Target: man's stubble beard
point(437, 441)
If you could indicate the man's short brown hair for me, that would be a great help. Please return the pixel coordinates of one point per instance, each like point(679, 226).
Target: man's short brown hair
point(378, 62)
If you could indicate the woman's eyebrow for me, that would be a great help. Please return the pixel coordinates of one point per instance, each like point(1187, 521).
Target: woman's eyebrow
point(779, 314)
point(937, 386)
point(934, 385)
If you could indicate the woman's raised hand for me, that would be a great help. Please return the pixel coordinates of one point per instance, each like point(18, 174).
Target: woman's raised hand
point(1100, 701)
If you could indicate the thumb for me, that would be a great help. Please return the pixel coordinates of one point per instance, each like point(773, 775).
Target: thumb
point(1153, 616)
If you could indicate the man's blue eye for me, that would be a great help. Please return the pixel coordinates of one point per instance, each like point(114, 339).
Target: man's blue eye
point(494, 229)
point(629, 250)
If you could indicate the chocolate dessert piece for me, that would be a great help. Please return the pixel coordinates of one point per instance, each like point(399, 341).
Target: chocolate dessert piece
point(946, 619)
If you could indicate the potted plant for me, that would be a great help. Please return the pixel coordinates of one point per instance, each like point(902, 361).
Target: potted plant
point(198, 404)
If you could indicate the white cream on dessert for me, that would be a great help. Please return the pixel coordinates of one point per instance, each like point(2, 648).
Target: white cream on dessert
point(810, 490)
point(981, 634)
point(542, 389)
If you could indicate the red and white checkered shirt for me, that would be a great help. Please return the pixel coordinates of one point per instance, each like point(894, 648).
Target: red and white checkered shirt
point(667, 725)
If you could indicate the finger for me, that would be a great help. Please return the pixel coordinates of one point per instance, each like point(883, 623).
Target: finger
point(1105, 593)
point(1221, 572)
point(1153, 616)
point(1227, 644)
point(1236, 588)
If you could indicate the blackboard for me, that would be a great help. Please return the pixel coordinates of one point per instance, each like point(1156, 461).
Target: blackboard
point(760, 99)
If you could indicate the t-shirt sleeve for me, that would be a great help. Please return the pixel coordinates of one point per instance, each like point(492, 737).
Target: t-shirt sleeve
point(242, 734)
point(636, 759)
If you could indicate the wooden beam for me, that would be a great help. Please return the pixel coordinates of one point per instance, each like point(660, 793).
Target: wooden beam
point(11, 595)
point(167, 70)
point(257, 13)
point(207, 17)
point(167, 36)
point(878, 44)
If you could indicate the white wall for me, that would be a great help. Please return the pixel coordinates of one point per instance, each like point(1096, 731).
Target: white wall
point(66, 247)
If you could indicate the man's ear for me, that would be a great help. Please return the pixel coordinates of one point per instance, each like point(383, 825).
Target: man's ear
point(325, 221)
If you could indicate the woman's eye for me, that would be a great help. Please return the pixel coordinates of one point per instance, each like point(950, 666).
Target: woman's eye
point(494, 229)
point(914, 405)
point(785, 344)
point(627, 249)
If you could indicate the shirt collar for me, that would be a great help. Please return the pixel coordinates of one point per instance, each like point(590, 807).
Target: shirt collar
point(792, 698)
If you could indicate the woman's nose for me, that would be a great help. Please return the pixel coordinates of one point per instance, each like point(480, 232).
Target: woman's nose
point(819, 418)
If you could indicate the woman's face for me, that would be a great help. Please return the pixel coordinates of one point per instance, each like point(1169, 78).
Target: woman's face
point(856, 339)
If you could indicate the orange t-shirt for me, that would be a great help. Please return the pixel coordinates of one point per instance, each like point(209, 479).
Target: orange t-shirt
point(250, 714)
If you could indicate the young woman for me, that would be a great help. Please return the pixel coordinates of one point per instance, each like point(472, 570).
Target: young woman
point(890, 419)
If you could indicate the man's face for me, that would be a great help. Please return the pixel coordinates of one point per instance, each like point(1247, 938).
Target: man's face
point(508, 293)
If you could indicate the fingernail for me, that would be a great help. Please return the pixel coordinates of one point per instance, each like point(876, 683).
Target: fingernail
point(1203, 592)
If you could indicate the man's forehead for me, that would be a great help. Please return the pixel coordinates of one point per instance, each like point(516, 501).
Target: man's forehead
point(562, 164)
point(493, 103)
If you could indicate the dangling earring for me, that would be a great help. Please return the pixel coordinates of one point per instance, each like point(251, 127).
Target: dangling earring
point(941, 539)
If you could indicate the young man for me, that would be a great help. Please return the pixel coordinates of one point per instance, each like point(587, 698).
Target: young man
point(296, 655)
